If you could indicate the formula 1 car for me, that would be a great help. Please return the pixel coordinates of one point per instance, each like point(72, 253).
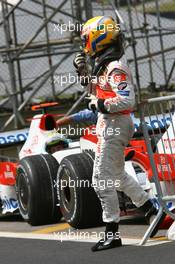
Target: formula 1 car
point(48, 172)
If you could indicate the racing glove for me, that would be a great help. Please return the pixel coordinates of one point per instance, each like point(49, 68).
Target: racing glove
point(79, 63)
point(91, 103)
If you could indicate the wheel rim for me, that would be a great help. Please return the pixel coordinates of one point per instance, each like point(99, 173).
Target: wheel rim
point(67, 192)
point(23, 192)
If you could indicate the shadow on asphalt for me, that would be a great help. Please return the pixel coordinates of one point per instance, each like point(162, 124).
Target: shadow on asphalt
point(11, 218)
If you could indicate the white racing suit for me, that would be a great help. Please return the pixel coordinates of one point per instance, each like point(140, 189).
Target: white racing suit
point(115, 94)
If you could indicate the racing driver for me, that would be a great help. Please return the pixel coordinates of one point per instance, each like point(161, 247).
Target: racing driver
point(113, 97)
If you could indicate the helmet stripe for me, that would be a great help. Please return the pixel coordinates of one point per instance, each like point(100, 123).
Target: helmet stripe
point(101, 37)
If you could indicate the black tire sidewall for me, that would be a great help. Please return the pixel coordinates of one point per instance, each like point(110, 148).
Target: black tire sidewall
point(22, 173)
point(86, 210)
point(74, 212)
point(39, 172)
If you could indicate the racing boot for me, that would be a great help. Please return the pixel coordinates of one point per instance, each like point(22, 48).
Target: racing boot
point(111, 238)
point(150, 211)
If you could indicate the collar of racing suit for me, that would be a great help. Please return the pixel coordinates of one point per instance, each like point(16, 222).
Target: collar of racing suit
point(109, 55)
point(101, 62)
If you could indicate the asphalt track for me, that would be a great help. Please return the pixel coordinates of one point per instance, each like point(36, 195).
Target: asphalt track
point(23, 244)
point(27, 251)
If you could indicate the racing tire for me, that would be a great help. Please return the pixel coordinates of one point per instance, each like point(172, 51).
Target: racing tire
point(36, 189)
point(79, 203)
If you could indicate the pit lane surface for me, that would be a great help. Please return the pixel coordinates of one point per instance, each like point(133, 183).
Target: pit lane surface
point(20, 243)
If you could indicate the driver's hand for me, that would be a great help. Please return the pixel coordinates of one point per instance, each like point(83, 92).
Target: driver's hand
point(81, 68)
point(91, 103)
point(79, 62)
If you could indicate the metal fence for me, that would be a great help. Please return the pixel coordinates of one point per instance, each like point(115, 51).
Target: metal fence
point(160, 144)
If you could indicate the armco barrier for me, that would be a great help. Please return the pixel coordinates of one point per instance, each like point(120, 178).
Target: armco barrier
point(161, 152)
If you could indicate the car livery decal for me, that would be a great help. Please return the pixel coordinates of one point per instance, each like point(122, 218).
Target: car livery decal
point(153, 122)
point(9, 204)
point(10, 137)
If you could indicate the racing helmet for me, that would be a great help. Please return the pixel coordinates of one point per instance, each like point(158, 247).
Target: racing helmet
point(98, 33)
point(56, 143)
